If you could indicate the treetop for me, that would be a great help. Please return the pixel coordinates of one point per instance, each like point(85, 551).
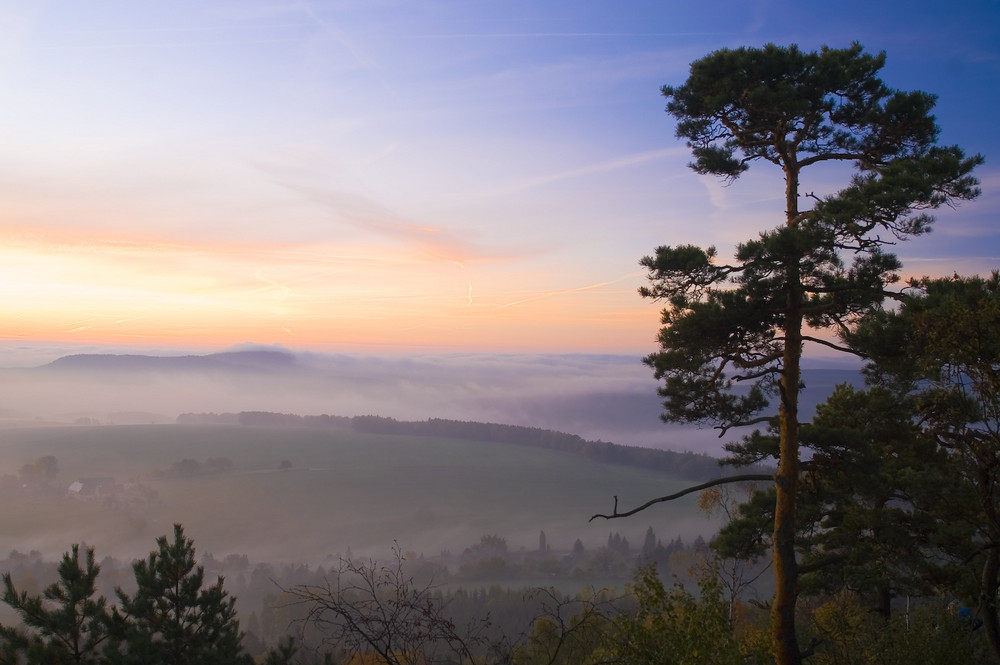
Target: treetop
point(794, 108)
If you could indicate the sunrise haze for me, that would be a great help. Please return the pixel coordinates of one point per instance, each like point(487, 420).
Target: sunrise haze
point(406, 176)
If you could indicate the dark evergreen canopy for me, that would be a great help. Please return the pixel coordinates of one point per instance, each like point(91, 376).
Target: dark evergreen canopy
point(824, 263)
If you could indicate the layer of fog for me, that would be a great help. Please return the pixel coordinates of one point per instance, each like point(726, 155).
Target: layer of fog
point(339, 492)
point(599, 397)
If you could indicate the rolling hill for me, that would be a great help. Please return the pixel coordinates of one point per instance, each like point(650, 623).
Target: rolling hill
point(302, 494)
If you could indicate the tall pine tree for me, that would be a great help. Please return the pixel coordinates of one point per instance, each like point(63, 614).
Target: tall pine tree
point(820, 267)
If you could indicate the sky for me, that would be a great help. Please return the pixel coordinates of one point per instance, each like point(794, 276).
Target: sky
point(387, 176)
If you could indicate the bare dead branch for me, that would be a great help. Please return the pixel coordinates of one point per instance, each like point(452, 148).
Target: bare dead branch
point(697, 488)
point(368, 607)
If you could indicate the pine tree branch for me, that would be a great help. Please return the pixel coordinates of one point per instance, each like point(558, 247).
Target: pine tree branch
point(684, 492)
point(808, 338)
point(821, 563)
point(799, 218)
point(757, 375)
point(828, 156)
point(759, 362)
point(745, 423)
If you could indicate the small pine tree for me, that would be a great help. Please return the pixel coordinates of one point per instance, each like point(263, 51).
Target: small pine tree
point(649, 545)
point(171, 619)
point(66, 624)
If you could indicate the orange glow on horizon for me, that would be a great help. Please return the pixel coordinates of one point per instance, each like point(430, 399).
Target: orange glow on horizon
point(143, 292)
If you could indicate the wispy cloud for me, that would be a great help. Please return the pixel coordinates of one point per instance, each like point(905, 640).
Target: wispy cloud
point(541, 295)
point(351, 208)
point(333, 29)
point(560, 35)
point(616, 164)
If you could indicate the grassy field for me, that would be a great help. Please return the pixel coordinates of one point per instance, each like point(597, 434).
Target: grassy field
point(344, 492)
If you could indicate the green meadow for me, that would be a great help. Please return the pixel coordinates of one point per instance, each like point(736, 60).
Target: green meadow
point(342, 492)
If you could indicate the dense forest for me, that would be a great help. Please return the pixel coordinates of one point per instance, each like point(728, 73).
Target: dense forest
point(486, 581)
point(176, 607)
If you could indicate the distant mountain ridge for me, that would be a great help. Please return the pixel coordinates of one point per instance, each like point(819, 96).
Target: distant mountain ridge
point(599, 397)
point(264, 360)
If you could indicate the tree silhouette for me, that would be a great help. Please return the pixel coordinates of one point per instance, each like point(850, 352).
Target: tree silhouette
point(171, 619)
point(745, 323)
point(66, 624)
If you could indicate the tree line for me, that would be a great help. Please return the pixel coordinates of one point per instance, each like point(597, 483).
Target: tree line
point(465, 578)
point(364, 611)
point(170, 613)
point(685, 465)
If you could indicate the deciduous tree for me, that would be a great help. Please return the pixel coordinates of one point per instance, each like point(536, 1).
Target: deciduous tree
point(375, 611)
point(671, 627)
point(570, 630)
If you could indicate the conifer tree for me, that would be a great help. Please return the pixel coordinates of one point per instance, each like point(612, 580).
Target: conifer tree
point(66, 624)
point(940, 350)
point(870, 512)
point(820, 267)
point(171, 619)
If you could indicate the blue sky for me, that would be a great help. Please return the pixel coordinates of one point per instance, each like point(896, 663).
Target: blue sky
point(392, 176)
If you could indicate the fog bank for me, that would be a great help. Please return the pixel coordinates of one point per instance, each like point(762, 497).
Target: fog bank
point(601, 397)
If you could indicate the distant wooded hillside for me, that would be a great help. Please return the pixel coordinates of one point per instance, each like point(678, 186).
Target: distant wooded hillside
point(305, 493)
point(684, 465)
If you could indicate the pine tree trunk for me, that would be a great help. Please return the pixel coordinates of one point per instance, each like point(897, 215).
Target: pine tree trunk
point(786, 573)
point(786, 645)
point(988, 611)
point(990, 578)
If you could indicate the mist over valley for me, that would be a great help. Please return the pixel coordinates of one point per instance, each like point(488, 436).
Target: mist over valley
point(598, 397)
point(307, 493)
